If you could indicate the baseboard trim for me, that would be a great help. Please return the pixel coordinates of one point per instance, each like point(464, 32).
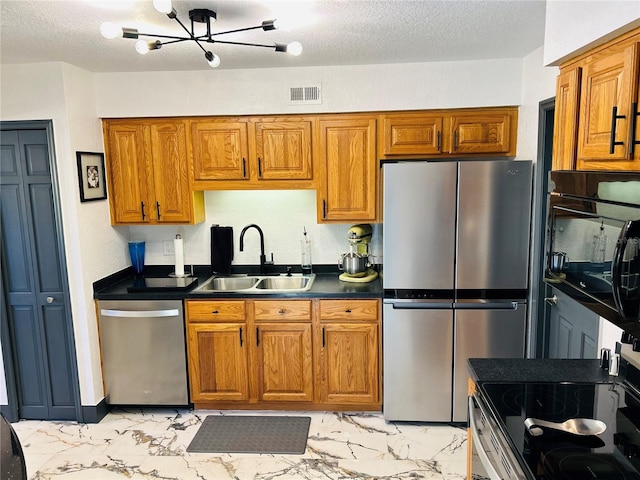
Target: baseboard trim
point(95, 413)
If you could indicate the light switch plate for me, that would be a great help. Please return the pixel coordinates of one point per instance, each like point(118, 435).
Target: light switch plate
point(167, 246)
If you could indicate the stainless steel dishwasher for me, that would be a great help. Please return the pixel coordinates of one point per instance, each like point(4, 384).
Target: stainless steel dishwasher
point(143, 352)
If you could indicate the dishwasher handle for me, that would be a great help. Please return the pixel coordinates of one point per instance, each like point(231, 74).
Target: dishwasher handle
point(170, 312)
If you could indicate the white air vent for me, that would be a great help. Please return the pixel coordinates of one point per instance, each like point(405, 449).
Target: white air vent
point(309, 95)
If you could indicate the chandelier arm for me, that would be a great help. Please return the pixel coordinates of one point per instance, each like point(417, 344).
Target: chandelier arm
point(241, 43)
point(236, 30)
point(156, 35)
point(183, 27)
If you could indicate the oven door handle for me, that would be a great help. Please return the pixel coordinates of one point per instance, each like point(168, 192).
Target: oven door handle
point(475, 434)
point(616, 270)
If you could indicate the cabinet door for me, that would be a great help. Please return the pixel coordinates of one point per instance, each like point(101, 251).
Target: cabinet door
point(220, 150)
point(284, 362)
point(566, 119)
point(609, 80)
point(128, 173)
point(482, 133)
point(412, 134)
point(168, 149)
point(573, 330)
point(348, 150)
point(349, 363)
point(283, 150)
point(218, 362)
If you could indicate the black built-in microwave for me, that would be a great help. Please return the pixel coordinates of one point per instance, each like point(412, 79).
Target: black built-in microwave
point(593, 242)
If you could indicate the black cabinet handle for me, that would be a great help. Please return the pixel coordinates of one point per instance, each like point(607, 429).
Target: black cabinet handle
point(439, 141)
point(632, 127)
point(259, 167)
point(322, 337)
point(614, 122)
point(257, 337)
point(347, 310)
point(240, 336)
point(142, 209)
point(244, 167)
point(215, 312)
point(324, 209)
point(158, 209)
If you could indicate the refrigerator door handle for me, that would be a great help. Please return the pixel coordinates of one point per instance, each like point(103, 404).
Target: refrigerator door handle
point(399, 305)
point(485, 305)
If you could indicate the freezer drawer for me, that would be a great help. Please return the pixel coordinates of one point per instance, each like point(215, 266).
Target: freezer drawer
point(417, 350)
point(484, 333)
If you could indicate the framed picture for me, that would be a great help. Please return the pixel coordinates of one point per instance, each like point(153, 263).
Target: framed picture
point(91, 176)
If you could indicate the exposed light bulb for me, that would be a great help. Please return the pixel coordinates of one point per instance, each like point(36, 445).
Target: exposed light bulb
point(212, 59)
point(142, 47)
point(294, 48)
point(110, 30)
point(163, 6)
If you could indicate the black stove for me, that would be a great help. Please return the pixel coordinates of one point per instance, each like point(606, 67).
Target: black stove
point(555, 455)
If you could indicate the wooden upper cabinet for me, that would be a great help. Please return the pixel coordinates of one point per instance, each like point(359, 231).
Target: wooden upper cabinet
point(445, 133)
point(220, 150)
point(566, 119)
point(147, 164)
point(596, 105)
point(170, 172)
point(609, 82)
point(346, 149)
point(483, 133)
point(283, 150)
point(412, 134)
point(251, 152)
point(127, 173)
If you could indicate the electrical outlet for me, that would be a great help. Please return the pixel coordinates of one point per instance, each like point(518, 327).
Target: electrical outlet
point(167, 246)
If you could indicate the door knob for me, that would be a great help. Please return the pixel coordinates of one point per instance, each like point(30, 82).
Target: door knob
point(50, 299)
point(552, 300)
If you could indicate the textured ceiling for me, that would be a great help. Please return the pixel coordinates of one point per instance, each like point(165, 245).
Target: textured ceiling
point(332, 32)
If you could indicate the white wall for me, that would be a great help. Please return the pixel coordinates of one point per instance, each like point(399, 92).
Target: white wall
point(573, 27)
point(344, 89)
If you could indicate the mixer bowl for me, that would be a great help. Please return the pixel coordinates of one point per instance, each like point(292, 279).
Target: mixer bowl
point(354, 264)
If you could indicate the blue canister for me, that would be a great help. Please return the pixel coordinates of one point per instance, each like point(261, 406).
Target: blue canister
point(136, 251)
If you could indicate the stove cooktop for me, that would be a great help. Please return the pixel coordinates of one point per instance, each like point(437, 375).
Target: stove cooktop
point(614, 454)
point(162, 284)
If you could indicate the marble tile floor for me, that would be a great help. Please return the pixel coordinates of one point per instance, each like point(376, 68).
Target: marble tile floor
point(140, 444)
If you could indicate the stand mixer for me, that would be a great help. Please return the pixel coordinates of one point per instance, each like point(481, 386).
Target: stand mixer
point(356, 264)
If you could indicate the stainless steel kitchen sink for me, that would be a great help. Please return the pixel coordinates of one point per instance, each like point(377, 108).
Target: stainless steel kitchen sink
point(230, 283)
point(283, 283)
point(295, 282)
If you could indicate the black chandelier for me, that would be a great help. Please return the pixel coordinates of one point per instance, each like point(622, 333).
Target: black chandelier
point(199, 15)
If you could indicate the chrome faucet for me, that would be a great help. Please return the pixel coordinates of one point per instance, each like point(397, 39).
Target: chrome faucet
point(263, 258)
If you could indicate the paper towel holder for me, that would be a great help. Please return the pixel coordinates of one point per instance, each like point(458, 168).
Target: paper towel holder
point(179, 262)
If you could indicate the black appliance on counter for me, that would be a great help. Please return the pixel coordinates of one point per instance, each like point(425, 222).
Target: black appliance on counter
point(593, 242)
point(508, 450)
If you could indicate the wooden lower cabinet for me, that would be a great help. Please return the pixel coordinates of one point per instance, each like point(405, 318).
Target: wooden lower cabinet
point(349, 348)
point(290, 354)
point(283, 363)
point(218, 362)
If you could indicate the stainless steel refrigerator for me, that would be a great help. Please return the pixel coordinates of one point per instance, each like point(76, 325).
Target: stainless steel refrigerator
point(455, 278)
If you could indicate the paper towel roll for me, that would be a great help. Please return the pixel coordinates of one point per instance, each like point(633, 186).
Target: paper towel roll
point(178, 248)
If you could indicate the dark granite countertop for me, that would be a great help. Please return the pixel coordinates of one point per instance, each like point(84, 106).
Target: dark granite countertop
point(325, 285)
point(537, 370)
